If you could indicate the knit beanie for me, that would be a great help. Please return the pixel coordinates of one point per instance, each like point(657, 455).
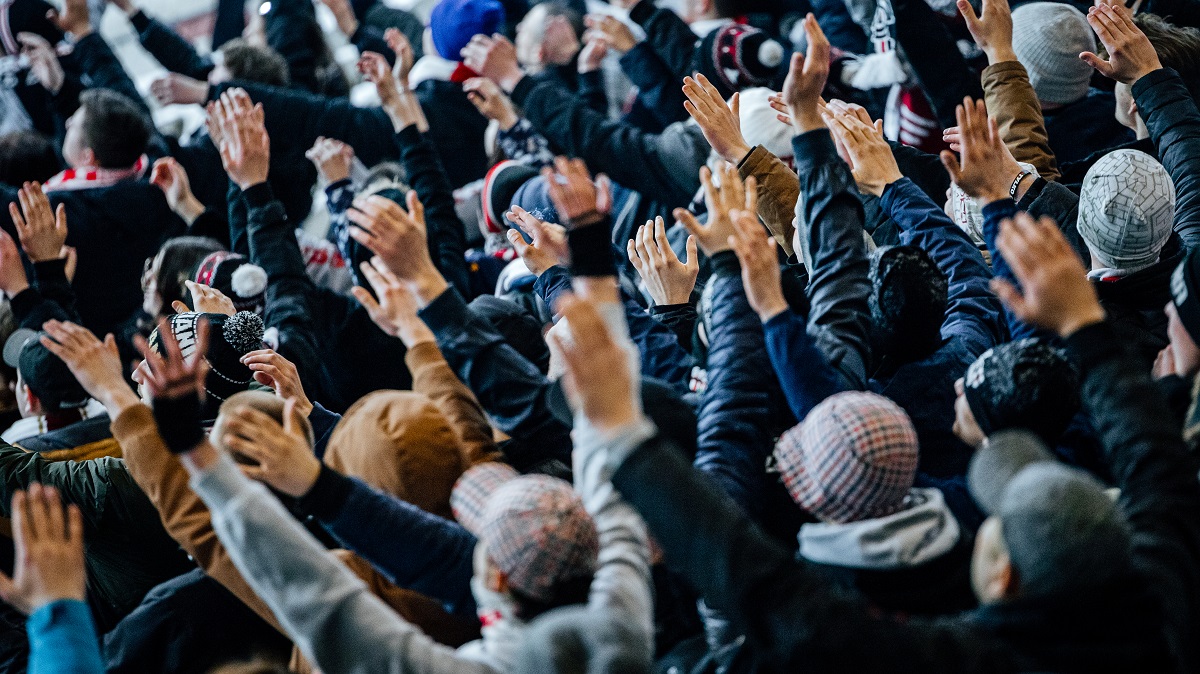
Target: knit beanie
point(736, 57)
point(1023, 384)
point(229, 338)
point(1185, 289)
point(1126, 209)
point(1047, 39)
point(854, 457)
point(239, 280)
point(454, 22)
point(761, 126)
point(500, 185)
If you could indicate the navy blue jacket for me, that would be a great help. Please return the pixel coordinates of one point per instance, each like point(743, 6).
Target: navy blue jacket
point(1078, 129)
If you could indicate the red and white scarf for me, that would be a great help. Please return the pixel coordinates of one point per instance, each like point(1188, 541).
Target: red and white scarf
point(90, 177)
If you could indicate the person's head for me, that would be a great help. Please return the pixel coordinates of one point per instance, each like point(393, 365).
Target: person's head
point(26, 156)
point(245, 284)
point(107, 131)
point(737, 56)
point(537, 544)
point(548, 35)
point(519, 328)
point(1048, 38)
point(1126, 211)
point(1051, 531)
point(1024, 384)
point(582, 640)
point(229, 338)
point(908, 300)
point(44, 383)
point(1183, 316)
point(1178, 47)
point(238, 59)
point(401, 443)
point(252, 667)
point(854, 457)
point(453, 23)
point(164, 274)
point(264, 401)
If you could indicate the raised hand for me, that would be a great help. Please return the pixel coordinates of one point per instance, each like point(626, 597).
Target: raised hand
point(993, 31)
point(173, 89)
point(1055, 291)
point(343, 13)
point(668, 280)
point(491, 102)
point(245, 145)
point(393, 307)
point(611, 30)
point(401, 106)
point(604, 392)
point(593, 53)
point(285, 459)
point(272, 369)
point(205, 300)
point(732, 195)
point(169, 176)
point(48, 539)
point(549, 247)
point(12, 271)
point(578, 200)
point(43, 231)
point(402, 48)
point(96, 364)
point(865, 149)
point(720, 123)
point(494, 58)
point(43, 61)
point(397, 236)
point(988, 169)
point(806, 78)
point(755, 249)
point(75, 18)
point(332, 158)
point(1130, 54)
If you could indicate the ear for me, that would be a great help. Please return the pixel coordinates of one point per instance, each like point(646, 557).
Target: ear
point(1003, 583)
point(88, 156)
point(496, 581)
point(32, 401)
point(1133, 108)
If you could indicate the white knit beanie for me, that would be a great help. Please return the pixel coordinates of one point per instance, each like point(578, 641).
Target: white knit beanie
point(1126, 209)
point(1048, 38)
point(761, 126)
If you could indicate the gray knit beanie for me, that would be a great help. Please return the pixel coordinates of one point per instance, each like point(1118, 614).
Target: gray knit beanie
point(1047, 38)
point(1126, 209)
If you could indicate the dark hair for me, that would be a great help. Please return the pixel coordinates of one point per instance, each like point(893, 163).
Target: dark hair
point(557, 8)
point(255, 63)
point(908, 302)
point(566, 593)
point(180, 258)
point(114, 127)
point(252, 667)
point(1178, 47)
point(26, 155)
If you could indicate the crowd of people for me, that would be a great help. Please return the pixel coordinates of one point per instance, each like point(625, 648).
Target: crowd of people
point(766, 336)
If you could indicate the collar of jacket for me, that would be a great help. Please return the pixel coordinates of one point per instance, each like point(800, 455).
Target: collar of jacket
point(923, 531)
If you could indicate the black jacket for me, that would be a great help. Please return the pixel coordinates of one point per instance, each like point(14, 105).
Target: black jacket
point(1078, 129)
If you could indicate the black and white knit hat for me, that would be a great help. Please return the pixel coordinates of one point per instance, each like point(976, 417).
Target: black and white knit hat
point(1126, 210)
point(229, 338)
point(735, 57)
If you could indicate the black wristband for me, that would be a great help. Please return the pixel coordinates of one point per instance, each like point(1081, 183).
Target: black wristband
point(591, 250)
point(179, 422)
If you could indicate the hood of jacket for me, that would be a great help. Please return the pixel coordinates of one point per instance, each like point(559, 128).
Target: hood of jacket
point(399, 442)
point(923, 531)
point(1148, 289)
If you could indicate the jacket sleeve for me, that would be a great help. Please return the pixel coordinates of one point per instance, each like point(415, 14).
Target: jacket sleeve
point(62, 639)
point(658, 88)
point(831, 236)
point(102, 70)
point(679, 319)
point(994, 214)
point(734, 421)
point(511, 389)
point(433, 378)
point(1157, 478)
point(421, 552)
point(186, 519)
point(661, 354)
point(50, 297)
point(331, 615)
point(648, 163)
point(1059, 203)
point(973, 312)
point(778, 191)
point(669, 35)
point(1174, 123)
point(446, 234)
point(924, 169)
point(1012, 102)
point(788, 345)
point(168, 48)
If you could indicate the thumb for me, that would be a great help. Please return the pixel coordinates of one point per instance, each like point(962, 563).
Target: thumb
point(969, 16)
point(951, 164)
point(264, 379)
point(1103, 67)
point(693, 260)
point(364, 298)
point(517, 241)
point(291, 417)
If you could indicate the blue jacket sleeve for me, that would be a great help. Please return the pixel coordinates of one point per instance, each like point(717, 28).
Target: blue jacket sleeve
point(62, 640)
point(1174, 123)
point(421, 552)
point(323, 422)
point(973, 312)
point(446, 235)
point(993, 214)
point(733, 433)
point(803, 372)
point(668, 34)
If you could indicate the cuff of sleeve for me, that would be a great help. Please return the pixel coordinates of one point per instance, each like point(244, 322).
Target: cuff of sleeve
point(258, 196)
point(725, 263)
point(408, 136)
point(778, 321)
point(422, 354)
point(667, 308)
point(996, 212)
point(140, 22)
point(591, 250)
point(1155, 77)
point(893, 191)
point(50, 270)
point(56, 613)
point(750, 161)
point(327, 496)
point(446, 313)
point(1093, 344)
point(641, 12)
point(619, 445)
point(335, 186)
point(133, 421)
point(1034, 191)
point(220, 483)
point(24, 303)
point(523, 89)
point(1003, 69)
point(813, 148)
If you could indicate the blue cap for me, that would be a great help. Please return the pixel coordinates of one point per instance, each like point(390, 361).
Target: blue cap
point(454, 22)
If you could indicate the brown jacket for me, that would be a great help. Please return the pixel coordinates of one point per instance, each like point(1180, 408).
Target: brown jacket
point(778, 191)
point(1011, 100)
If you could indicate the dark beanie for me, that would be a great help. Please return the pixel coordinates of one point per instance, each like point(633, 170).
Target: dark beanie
point(229, 338)
point(244, 283)
point(1185, 289)
point(736, 57)
point(517, 326)
point(1024, 384)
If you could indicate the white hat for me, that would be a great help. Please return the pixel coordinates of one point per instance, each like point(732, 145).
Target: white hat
point(1126, 209)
